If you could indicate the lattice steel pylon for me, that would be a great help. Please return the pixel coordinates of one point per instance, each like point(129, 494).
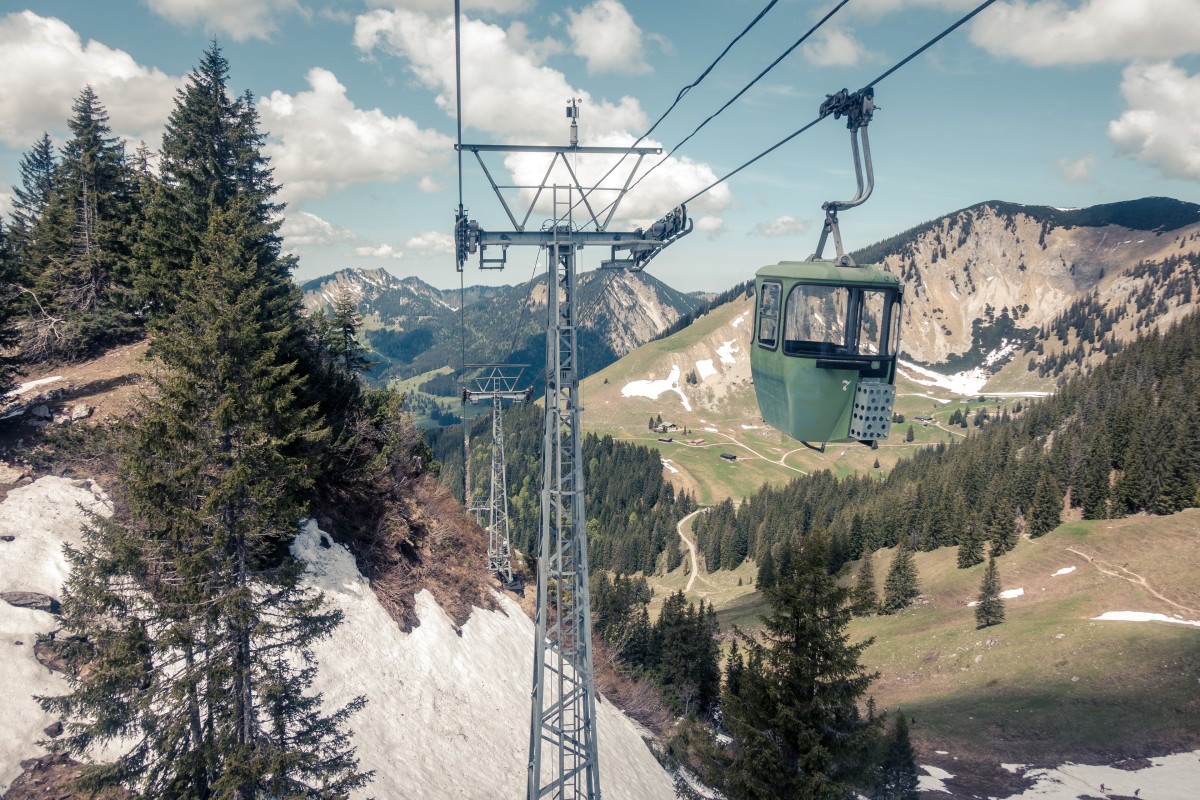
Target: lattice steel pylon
point(498, 384)
point(563, 762)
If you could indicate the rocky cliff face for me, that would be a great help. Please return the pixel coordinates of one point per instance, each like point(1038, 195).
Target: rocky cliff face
point(981, 274)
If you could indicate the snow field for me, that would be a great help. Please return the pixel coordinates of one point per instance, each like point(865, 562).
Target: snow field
point(41, 517)
point(652, 389)
point(1143, 616)
point(448, 709)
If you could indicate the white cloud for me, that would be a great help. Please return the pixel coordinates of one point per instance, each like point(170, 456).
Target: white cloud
point(431, 243)
point(239, 19)
point(300, 228)
point(1075, 171)
point(439, 6)
point(606, 36)
point(833, 47)
point(881, 7)
point(711, 225)
point(428, 185)
point(782, 226)
point(1162, 126)
point(44, 65)
point(1052, 32)
point(6, 204)
point(510, 95)
point(319, 140)
point(380, 251)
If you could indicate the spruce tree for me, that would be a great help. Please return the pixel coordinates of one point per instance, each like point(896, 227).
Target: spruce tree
point(790, 706)
point(200, 625)
point(970, 545)
point(900, 587)
point(8, 312)
point(1045, 512)
point(77, 257)
point(990, 608)
point(865, 598)
point(36, 168)
point(898, 779)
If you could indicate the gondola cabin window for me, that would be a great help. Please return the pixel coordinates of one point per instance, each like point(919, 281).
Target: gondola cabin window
point(768, 314)
point(822, 320)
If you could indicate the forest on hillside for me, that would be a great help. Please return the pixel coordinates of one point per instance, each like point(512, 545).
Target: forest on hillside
point(631, 508)
point(1113, 443)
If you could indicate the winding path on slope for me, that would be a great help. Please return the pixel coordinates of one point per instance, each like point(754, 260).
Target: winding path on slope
point(1132, 577)
point(691, 546)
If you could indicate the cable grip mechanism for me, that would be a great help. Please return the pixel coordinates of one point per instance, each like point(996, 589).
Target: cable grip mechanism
point(857, 108)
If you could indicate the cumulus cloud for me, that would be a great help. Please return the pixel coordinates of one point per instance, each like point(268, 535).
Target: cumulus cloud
point(301, 228)
point(833, 47)
point(431, 243)
point(379, 251)
point(606, 36)
point(511, 95)
point(439, 6)
point(428, 185)
point(1077, 170)
point(1161, 128)
point(711, 225)
point(44, 65)
point(782, 226)
point(881, 7)
point(238, 19)
point(1052, 32)
point(319, 140)
point(6, 204)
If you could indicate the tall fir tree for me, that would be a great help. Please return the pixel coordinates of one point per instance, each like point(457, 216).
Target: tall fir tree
point(791, 705)
point(901, 586)
point(989, 610)
point(865, 598)
point(209, 659)
point(970, 545)
point(211, 153)
point(344, 323)
point(36, 168)
point(76, 259)
point(897, 770)
point(8, 312)
point(1045, 511)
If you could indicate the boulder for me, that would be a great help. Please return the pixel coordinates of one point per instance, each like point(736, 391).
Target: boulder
point(34, 600)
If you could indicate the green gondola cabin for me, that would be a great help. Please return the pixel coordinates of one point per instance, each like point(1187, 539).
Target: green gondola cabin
point(823, 357)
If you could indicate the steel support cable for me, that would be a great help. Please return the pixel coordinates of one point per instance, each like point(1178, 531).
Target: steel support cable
point(737, 96)
point(689, 87)
point(962, 21)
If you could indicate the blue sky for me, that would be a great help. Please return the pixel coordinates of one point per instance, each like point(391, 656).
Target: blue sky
point(1038, 101)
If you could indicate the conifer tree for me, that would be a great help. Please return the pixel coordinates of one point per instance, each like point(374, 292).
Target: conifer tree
point(8, 311)
point(791, 705)
point(970, 545)
point(865, 598)
point(898, 779)
point(990, 608)
point(900, 587)
point(1001, 524)
point(1045, 512)
point(209, 659)
point(36, 168)
point(76, 258)
point(344, 323)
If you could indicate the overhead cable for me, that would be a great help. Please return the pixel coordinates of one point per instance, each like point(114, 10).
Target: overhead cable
point(870, 85)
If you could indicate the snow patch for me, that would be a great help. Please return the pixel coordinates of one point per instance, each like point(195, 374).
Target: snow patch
point(666, 462)
point(749, 427)
point(454, 700)
point(966, 383)
point(1172, 777)
point(711, 430)
point(725, 352)
point(933, 780)
point(705, 368)
point(42, 516)
point(1009, 594)
point(741, 318)
point(29, 387)
point(1063, 571)
point(1143, 616)
point(652, 389)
